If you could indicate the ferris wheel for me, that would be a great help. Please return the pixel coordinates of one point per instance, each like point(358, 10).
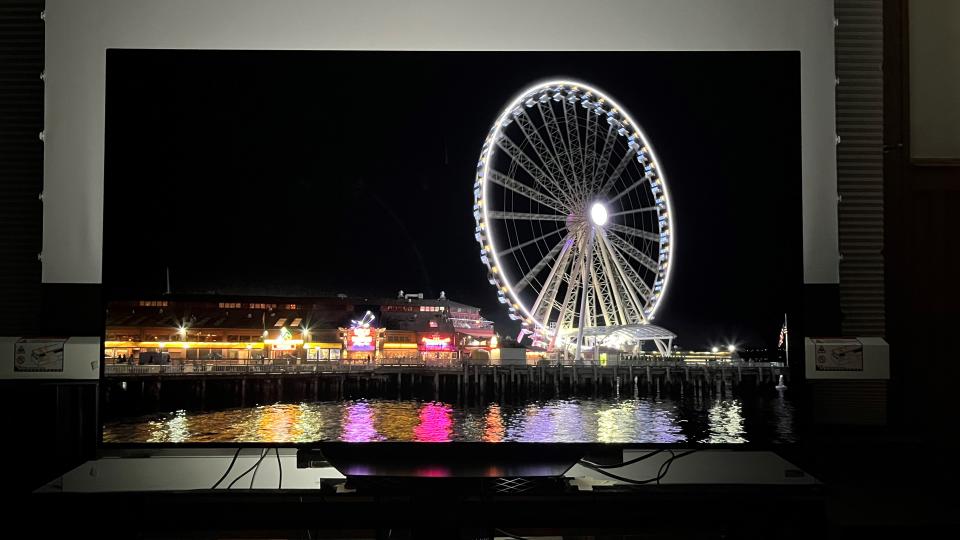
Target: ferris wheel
point(572, 215)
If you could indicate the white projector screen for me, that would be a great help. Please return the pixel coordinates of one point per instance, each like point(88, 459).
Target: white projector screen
point(78, 34)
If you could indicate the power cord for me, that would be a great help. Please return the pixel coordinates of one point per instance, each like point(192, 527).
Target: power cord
point(279, 466)
point(230, 468)
point(661, 473)
point(257, 469)
point(625, 463)
point(255, 465)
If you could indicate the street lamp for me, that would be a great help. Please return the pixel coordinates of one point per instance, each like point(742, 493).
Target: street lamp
point(715, 350)
point(731, 348)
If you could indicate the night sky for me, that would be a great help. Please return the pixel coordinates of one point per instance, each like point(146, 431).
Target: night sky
point(351, 172)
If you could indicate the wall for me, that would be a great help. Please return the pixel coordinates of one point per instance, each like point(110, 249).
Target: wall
point(78, 33)
point(934, 29)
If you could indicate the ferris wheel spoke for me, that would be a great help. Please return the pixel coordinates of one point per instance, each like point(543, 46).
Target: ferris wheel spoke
point(635, 211)
point(589, 150)
point(633, 186)
point(637, 284)
point(531, 193)
point(625, 286)
point(531, 241)
point(646, 235)
point(628, 284)
point(633, 252)
point(615, 175)
point(568, 306)
point(559, 147)
point(616, 299)
point(517, 154)
point(548, 294)
point(499, 214)
point(604, 159)
point(532, 135)
point(591, 310)
point(602, 290)
point(537, 268)
point(573, 135)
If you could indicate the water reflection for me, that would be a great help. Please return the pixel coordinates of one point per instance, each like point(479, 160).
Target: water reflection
point(173, 430)
point(358, 423)
point(493, 429)
point(435, 423)
point(726, 423)
point(645, 420)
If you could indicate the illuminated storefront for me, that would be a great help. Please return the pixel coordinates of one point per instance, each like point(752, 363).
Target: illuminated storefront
point(361, 343)
point(319, 351)
point(436, 346)
point(400, 344)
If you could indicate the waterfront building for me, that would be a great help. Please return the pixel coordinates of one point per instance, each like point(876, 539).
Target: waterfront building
point(251, 330)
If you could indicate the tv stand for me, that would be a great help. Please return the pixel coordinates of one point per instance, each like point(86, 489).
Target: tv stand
point(460, 461)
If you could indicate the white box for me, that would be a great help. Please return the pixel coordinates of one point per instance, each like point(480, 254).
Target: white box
point(74, 358)
point(863, 358)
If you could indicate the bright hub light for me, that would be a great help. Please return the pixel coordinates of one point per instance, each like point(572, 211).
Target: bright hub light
point(598, 213)
point(731, 348)
point(715, 349)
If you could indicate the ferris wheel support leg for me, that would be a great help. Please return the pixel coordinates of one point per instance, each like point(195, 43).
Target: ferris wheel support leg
point(583, 296)
point(664, 349)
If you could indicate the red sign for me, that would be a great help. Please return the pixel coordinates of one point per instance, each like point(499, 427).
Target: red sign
point(361, 339)
point(437, 342)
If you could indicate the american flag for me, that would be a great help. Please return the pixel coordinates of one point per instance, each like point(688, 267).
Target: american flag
point(783, 335)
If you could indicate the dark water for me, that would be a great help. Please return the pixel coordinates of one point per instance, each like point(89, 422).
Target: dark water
point(644, 420)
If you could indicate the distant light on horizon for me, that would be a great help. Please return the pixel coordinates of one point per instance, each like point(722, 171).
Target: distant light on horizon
point(731, 348)
point(715, 349)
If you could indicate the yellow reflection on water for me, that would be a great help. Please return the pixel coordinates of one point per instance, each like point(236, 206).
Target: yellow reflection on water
point(396, 420)
point(175, 429)
point(280, 423)
point(493, 427)
point(615, 424)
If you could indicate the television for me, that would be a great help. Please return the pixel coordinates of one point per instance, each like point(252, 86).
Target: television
point(305, 247)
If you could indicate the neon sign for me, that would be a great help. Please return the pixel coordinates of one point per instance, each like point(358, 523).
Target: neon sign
point(436, 343)
point(361, 339)
point(285, 341)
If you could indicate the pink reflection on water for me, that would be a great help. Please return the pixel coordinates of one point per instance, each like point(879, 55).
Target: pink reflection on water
point(436, 423)
point(358, 424)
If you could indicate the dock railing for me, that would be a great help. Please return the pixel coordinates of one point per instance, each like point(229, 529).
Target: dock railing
point(388, 364)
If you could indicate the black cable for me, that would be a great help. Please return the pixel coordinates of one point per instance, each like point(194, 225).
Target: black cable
point(280, 466)
point(235, 480)
point(625, 463)
point(661, 473)
point(257, 469)
point(230, 468)
point(621, 478)
point(669, 462)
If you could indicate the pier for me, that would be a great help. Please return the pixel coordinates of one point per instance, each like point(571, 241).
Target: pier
point(148, 389)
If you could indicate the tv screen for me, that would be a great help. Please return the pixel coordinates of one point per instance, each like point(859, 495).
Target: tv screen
point(308, 246)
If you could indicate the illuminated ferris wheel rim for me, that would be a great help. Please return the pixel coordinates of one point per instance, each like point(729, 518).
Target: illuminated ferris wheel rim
point(573, 87)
